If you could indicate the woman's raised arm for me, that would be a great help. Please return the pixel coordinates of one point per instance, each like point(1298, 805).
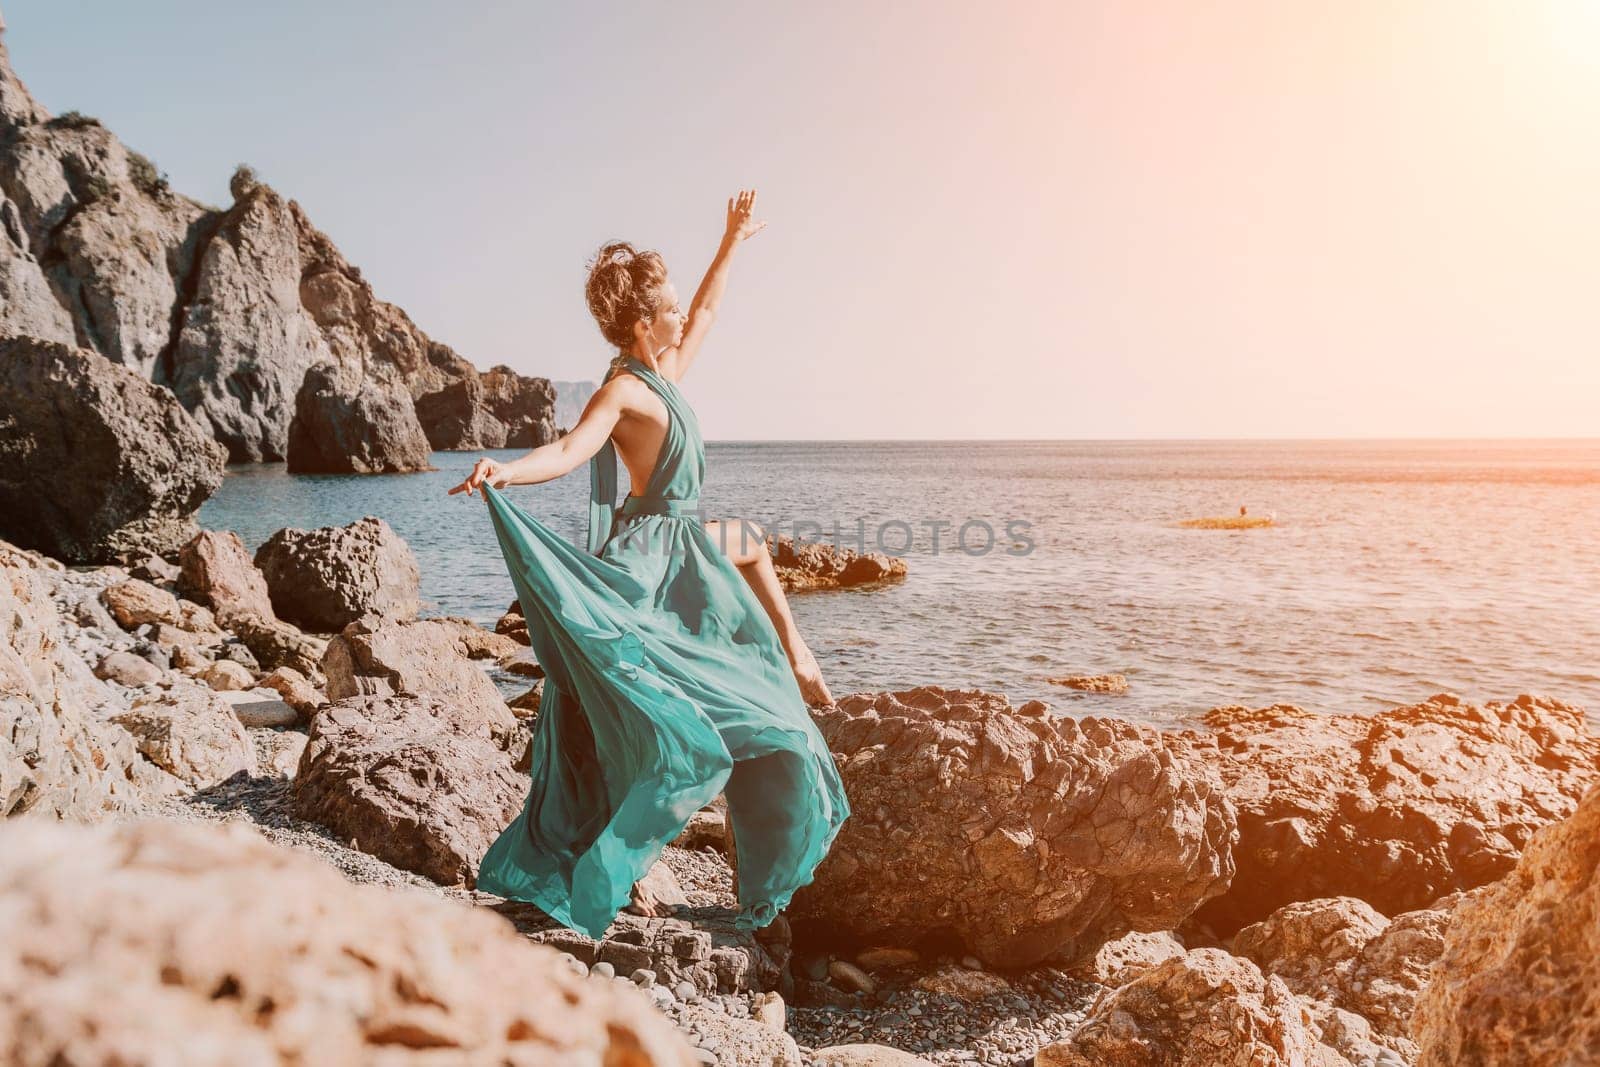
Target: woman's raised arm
point(703, 309)
point(551, 461)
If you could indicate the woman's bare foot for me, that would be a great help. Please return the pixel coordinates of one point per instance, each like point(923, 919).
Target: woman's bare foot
point(643, 902)
point(808, 674)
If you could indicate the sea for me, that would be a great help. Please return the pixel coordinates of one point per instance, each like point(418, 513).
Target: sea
point(1392, 570)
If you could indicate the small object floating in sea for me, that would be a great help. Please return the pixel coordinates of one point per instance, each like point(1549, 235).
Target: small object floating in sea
point(1240, 521)
point(1093, 683)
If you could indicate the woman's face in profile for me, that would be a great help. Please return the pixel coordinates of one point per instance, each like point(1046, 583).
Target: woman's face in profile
point(666, 329)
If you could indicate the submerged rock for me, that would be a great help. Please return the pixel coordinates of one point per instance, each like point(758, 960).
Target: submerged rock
point(1399, 808)
point(807, 565)
point(96, 464)
point(1024, 835)
point(325, 579)
point(120, 940)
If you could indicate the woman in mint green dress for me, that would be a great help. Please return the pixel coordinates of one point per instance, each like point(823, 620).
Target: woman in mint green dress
point(673, 668)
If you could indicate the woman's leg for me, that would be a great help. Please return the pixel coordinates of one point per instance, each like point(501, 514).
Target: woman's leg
point(746, 544)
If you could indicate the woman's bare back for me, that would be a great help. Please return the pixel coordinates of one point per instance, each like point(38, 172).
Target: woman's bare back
point(642, 433)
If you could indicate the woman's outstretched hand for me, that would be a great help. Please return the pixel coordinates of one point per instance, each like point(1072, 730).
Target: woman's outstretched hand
point(741, 215)
point(485, 470)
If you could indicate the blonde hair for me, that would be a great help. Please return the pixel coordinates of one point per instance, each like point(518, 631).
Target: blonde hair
point(624, 287)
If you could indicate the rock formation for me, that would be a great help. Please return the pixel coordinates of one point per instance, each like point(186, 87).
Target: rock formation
point(231, 308)
point(96, 464)
point(1200, 1010)
point(807, 565)
point(1022, 835)
point(421, 783)
point(424, 656)
point(346, 423)
point(58, 756)
point(1397, 809)
point(120, 940)
point(1519, 979)
point(325, 579)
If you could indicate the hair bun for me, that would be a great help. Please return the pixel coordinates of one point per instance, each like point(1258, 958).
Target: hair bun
point(623, 287)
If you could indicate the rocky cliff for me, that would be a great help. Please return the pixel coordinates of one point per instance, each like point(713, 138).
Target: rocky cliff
point(231, 309)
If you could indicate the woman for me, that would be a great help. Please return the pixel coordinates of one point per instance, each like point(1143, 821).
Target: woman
point(674, 671)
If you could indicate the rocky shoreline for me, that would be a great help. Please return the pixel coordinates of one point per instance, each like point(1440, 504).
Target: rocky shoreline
point(1015, 887)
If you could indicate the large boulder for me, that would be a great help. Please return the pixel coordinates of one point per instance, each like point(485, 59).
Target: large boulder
point(1343, 955)
point(422, 656)
point(1399, 808)
point(346, 423)
point(189, 732)
point(1199, 1010)
point(422, 783)
point(1519, 979)
point(498, 408)
point(217, 571)
point(96, 464)
point(1020, 834)
point(327, 578)
point(182, 943)
point(58, 756)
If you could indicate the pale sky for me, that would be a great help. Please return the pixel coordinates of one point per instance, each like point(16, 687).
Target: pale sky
point(1276, 218)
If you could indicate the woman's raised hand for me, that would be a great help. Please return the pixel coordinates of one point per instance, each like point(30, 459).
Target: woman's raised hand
point(485, 470)
point(741, 212)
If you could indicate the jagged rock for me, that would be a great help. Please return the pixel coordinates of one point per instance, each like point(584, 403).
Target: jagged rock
point(808, 565)
point(58, 757)
point(1306, 942)
point(1342, 953)
point(28, 306)
point(498, 408)
point(215, 570)
point(478, 643)
point(96, 464)
point(246, 342)
point(1519, 978)
point(424, 656)
point(1109, 684)
point(508, 410)
point(124, 944)
point(1021, 834)
point(513, 625)
point(190, 733)
point(423, 783)
point(1199, 1010)
point(345, 423)
point(133, 603)
point(1119, 962)
point(1397, 809)
point(705, 829)
point(277, 644)
point(327, 578)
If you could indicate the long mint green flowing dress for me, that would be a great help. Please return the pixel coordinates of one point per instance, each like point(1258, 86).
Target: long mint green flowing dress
point(665, 684)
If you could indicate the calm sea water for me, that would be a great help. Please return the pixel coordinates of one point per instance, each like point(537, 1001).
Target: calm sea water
point(1396, 569)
